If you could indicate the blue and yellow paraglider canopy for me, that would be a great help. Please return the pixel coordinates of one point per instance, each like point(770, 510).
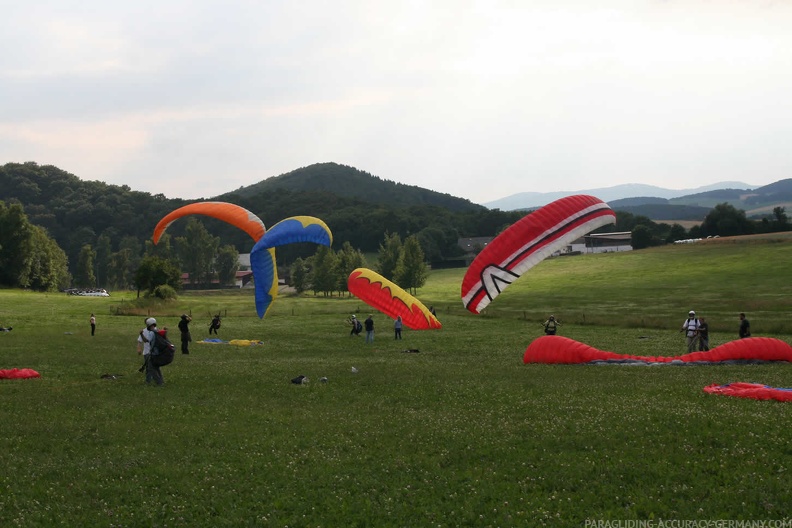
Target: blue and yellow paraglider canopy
point(262, 257)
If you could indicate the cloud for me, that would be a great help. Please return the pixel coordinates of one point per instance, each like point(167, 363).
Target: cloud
point(478, 100)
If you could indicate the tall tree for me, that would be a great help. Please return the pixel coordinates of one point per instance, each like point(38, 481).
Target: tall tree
point(349, 259)
point(133, 247)
point(389, 254)
point(49, 266)
point(411, 272)
point(197, 250)
point(299, 275)
point(15, 237)
point(29, 257)
point(104, 248)
point(227, 264)
point(323, 271)
point(781, 219)
point(163, 249)
point(118, 275)
point(84, 272)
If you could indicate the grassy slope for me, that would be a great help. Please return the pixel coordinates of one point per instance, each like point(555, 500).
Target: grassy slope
point(461, 433)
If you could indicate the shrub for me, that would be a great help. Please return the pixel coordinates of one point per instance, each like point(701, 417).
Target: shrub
point(164, 292)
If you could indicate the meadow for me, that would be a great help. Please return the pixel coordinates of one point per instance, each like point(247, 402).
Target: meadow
point(461, 433)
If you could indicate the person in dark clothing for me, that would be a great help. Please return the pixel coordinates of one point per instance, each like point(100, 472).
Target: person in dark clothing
point(745, 326)
point(215, 324)
point(369, 324)
point(93, 324)
point(184, 328)
point(703, 335)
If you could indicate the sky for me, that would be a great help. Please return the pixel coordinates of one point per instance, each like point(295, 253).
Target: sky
point(477, 99)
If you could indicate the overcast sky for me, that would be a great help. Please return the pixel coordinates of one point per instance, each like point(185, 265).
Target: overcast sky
point(478, 99)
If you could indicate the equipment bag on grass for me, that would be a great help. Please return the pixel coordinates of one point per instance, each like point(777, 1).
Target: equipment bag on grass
point(162, 350)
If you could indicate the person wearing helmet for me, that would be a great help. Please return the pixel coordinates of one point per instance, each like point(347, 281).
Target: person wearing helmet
point(153, 373)
point(551, 325)
point(691, 327)
point(357, 326)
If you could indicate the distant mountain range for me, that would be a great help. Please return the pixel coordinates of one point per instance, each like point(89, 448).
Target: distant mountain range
point(660, 204)
point(529, 200)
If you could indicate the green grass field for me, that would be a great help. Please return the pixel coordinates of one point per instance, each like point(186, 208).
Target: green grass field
point(460, 434)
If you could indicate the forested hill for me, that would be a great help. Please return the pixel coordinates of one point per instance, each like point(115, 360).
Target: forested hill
point(350, 182)
point(75, 212)
point(78, 213)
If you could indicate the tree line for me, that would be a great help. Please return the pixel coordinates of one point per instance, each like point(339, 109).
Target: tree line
point(326, 272)
point(58, 231)
point(722, 220)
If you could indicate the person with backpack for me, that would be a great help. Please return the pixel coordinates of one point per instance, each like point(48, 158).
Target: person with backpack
point(215, 324)
point(551, 325)
point(357, 326)
point(153, 372)
point(691, 328)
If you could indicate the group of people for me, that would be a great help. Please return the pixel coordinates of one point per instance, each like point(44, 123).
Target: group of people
point(146, 338)
point(696, 331)
point(368, 324)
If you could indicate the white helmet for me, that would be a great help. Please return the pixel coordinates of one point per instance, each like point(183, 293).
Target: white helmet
point(150, 321)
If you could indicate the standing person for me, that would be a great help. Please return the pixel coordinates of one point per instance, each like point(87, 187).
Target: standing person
point(745, 326)
point(690, 327)
point(551, 325)
point(142, 349)
point(153, 373)
point(215, 324)
point(397, 327)
point(369, 324)
point(703, 335)
point(184, 328)
point(93, 323)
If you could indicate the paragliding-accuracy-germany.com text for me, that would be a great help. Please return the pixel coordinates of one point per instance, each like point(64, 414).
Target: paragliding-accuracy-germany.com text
point(687, 523)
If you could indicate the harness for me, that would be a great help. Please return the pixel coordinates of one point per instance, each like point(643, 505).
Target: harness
point(691, 333)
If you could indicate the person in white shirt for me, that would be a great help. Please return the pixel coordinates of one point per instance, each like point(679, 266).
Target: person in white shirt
point(153, 373)
point(690, 327)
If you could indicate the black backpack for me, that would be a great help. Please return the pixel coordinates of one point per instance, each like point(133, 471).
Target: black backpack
point(162, 350)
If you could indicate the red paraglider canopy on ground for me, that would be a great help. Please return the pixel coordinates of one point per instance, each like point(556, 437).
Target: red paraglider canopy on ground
point(754, 391)
point(562, 350)
point(16, 373)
